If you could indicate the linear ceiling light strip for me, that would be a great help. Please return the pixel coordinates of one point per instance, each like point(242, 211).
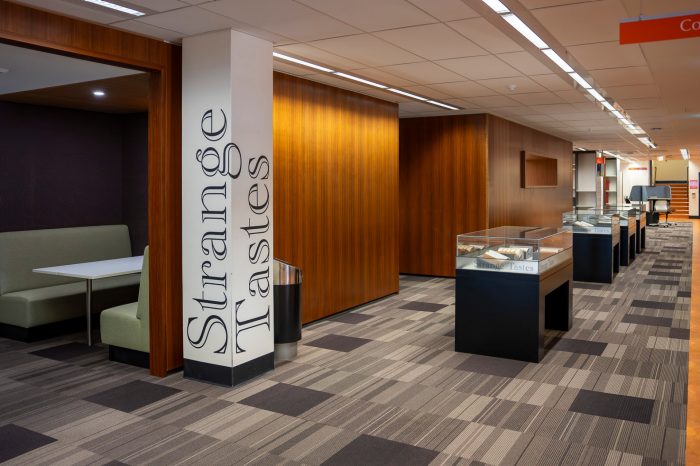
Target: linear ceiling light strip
point(537, 41)
point(114, 6)
point(359, 79)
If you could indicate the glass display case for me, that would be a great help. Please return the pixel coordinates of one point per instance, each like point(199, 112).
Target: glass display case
point(624, 212)
point(530, 250)
point(592, 221)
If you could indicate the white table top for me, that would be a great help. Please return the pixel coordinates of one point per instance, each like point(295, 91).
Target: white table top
point(98, 269)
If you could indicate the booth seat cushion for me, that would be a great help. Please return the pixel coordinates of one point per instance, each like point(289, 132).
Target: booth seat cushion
point(120, 327)
point(39, 306)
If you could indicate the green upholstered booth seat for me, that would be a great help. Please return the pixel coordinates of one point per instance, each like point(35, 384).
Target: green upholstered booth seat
point(29, 300)
point(41, 306)
point(125, 328)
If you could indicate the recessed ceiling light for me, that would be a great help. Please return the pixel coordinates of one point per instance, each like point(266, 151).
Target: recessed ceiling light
point(98, 93)
point(660, 158)
point(685, 154)
point(523, 29)
point(360, 80)
point(301, 62)
point(407, 94)
point(440, 104)
point(114, 6)
point(558, 60)
point(497, 6)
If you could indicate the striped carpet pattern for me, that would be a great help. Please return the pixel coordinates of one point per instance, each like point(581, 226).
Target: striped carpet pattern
point(382, 385)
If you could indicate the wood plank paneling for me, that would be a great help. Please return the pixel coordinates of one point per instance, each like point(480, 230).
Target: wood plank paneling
point(443, 189)
point(27, 27)
point(509, 204)
point(335, 193)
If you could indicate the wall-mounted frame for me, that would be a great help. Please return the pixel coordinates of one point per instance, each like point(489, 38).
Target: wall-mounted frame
point(537, 171)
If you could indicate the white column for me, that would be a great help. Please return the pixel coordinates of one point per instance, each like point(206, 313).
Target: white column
point(228, 329)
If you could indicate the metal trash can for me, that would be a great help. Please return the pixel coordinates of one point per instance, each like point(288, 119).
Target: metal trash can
point(287, 297)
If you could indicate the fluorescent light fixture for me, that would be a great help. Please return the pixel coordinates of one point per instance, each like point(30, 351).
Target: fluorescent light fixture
point(523, 29)
point(440, 104)
point(114, 6)
point(618, 115)
point(625, 121)
point(577, 77)
point(407, 94)
point(608, 105)
point(647, 142)
point(685, 154)
point(660, 158)
point(558, 60)
point(301, 62)
point(632, 129)
point(596, 95)
point(98, 93)
point(581, 149)
point(360, 80)
point(497, 6)
point(607, 152)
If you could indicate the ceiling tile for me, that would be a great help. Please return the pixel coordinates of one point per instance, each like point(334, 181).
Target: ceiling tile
point(423, 73)
point(633, 92)
point(623, 76)
point(86, 11)
point(427, 92)
point(138, 27)
point(538, 98)
point(583, 23)
point(375, 74)
point(432, 42)
point(553, 109)
point(525, 63)
point(493, 101)
point(316, 55)
point(283, 17)
point(533, 4)
point(367, 49)
point(486, 67)
point(519, 110)
point(572, 96)
point(159, 5)
point(607, 55)
point(553, 82)
point(189, 21)
point(515, 85)
point(485, 35)
point(465, 104)
point(630, 104)
point(446, 10)
point(372, 15)
point(463, 89)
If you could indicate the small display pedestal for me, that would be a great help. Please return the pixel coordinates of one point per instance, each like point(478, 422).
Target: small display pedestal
point(641, 242)
point(512, 283)
point(596, 245)
point(628, 242)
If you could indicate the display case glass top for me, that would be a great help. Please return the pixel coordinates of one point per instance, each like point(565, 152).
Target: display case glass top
point(624, 212)
point(529, 250)
point(592, 221)
point(632, 209)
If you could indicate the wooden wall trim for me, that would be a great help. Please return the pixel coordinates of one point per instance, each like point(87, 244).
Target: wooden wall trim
point(335, 171)
point(28, 27)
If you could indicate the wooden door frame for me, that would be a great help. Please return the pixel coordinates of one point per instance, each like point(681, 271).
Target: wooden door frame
point(31, 28)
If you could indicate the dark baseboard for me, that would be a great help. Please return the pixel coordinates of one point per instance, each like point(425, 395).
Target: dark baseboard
point(694, 216)
point(228, 376)
point(671, 182)
point(129, 356)
point(42, 332)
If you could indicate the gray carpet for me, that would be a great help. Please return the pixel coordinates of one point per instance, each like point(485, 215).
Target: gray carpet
point(381, 385)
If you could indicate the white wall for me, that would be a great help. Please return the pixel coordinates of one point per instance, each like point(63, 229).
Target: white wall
point(634, 175)
point(693, 194)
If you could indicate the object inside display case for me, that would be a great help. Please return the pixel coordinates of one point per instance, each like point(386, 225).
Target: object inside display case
point(513, 249)
point(590, 221)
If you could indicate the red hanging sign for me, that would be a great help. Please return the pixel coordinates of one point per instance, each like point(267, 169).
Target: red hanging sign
point(652, 30)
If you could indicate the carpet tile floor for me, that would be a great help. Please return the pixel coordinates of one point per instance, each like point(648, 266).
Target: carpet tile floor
point(381, 385)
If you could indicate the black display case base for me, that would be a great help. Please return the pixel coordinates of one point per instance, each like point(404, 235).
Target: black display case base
point(596, 258)
point(505, 314)
point(628, 246)
point(641, 239)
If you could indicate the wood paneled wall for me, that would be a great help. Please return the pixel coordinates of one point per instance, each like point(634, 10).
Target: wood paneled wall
point(335, 193)
point(23, 26)
point(443, 189)
point(463, 173)
point(509, 204)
